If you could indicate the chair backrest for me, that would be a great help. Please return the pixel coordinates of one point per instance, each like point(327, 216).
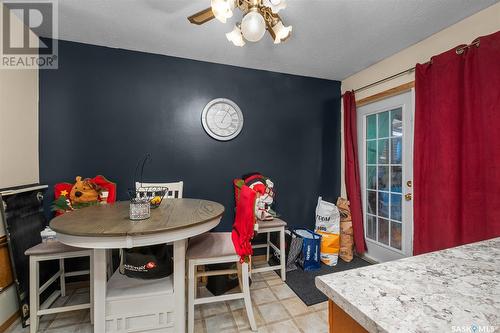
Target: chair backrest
point(174, 189)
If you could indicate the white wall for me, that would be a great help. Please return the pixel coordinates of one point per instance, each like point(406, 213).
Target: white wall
point(482, 23)
point(18, 127)
point(18, 144)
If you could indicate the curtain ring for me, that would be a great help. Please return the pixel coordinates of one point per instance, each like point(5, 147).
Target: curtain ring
point(461, 49)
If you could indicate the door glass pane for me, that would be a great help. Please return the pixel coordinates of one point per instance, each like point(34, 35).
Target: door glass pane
point(383, 178)
point(371, 152)
point(396, 235)
point(371, 229)
point(371, 177)
point(372, 202)
point(383, 124)
point(383, 151)
point(396, 207)
point(396, 122)
point(396, 150)
point(396, 176)
point(383, 204)
point(383, 231)
point(371, 127)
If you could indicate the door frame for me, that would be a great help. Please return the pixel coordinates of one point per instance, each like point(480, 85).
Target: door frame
point(406, 100)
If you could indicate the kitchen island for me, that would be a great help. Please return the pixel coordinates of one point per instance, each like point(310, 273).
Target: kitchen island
point(453, 290)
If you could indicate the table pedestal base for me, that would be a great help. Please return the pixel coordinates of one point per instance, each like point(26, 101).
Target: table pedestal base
point(100, 285)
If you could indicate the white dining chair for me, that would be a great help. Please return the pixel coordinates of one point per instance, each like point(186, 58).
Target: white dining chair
point(54, 250)
point(267, 227)
point(216, 248)
point(174, 189)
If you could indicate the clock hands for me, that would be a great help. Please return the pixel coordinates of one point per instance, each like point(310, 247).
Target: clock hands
point(223, 118)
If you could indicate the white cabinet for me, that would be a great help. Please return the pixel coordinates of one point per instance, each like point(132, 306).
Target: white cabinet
point(134, 305)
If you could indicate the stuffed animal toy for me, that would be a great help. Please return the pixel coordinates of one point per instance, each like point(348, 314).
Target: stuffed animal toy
point(84, 191)
point(264, 188)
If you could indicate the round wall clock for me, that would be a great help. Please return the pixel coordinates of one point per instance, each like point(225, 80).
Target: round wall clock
point(222, 119)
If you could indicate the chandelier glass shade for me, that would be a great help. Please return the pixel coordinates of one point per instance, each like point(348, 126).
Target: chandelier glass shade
point(281, 32)
point(222, 9)
point(235, 36)
point(275, 5)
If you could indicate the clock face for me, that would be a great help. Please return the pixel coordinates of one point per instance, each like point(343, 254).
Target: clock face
point(222, 119)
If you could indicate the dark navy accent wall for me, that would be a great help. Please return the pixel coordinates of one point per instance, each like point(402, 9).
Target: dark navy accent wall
point(105, 108)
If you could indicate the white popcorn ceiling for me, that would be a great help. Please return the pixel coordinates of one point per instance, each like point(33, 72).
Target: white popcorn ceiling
point(331, 39)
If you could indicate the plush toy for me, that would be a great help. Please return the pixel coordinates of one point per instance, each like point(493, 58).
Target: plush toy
point(264, 188)
point(84, 191)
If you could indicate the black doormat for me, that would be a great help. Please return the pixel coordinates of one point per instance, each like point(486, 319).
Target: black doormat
point(302, 283)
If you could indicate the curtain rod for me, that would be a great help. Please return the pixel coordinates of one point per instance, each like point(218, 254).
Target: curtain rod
point(407, 71)
point(459, 50)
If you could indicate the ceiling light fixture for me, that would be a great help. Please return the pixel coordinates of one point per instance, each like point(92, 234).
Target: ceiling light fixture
point(259, 16)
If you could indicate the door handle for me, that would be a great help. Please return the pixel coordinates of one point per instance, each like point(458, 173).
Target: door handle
point(408, 196)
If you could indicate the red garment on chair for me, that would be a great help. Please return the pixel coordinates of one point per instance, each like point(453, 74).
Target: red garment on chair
point(457, 147)
point(352, 180)
point(244, 221)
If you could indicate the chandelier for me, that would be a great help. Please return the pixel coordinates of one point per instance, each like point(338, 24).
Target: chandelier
point(258, 16)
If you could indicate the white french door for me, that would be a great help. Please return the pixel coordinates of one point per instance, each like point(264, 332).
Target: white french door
point(385, 136)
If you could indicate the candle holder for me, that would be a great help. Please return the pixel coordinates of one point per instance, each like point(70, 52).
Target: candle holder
point(139, 209)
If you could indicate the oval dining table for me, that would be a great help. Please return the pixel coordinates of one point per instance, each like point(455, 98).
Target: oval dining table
point(108, 226)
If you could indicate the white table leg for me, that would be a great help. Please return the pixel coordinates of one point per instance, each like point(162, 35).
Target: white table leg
point(34, 293)
point(99, 290)
point(179, 285)
point(282, 254)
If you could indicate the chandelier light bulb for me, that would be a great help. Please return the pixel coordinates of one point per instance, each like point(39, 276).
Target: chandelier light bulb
point(222, 9)
point(235, 36)
point(281, 32)
point(253, 26)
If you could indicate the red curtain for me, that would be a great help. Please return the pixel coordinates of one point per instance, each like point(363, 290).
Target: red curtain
point(457, 147)
point(352, 180)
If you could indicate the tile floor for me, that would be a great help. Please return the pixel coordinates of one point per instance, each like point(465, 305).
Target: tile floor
point(276, 308)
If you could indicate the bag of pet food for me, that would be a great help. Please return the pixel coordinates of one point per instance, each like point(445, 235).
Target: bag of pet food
point(346, 231)
point(328, 226)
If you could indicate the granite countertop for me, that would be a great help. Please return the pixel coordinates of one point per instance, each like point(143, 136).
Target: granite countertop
point(453, 290)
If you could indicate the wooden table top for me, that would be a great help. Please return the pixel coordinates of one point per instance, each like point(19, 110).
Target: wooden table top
point(113, 219)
